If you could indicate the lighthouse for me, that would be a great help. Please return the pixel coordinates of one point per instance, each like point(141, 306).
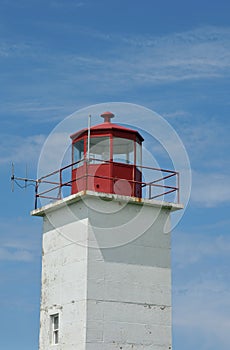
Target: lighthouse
point(117, 149)
point(106, 268)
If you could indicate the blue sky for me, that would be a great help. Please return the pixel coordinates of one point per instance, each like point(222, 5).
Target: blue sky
point(173, 57)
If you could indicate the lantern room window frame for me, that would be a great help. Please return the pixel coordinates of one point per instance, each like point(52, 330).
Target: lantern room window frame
point(112, 136)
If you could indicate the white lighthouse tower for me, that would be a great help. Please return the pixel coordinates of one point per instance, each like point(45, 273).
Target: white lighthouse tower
point(106, 271)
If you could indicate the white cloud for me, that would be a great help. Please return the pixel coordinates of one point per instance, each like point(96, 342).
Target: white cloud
point(205, 135)
point(176, 114)
point(206, 141)
point(201, 306)
point(211, 189)
point(55, 153)
point(19, 240)
point(195, 248)
point(201, 303)
point(36, 112)
point(69, 3)
point(10, 49)
point(201, 53)
point(15, 255)
point(30, 107)
point(20, 149)
point(203, 310)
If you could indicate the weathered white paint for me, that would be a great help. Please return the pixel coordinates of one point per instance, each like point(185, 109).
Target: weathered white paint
point(109, 295)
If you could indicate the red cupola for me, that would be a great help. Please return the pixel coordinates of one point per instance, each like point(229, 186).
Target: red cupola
point(106, 158)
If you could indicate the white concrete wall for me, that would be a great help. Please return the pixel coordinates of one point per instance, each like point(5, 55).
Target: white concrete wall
point(129, 287)
point(111, 285)
point(64, 281)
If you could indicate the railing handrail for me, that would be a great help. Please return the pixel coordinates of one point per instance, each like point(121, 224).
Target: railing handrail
point(57, 185)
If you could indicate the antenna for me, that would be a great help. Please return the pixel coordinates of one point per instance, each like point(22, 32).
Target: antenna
point(49, 181)
point(16, 180)
point(26, 177)
point(12, 177)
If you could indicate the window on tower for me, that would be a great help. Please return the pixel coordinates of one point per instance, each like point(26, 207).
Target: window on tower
point(54, 329)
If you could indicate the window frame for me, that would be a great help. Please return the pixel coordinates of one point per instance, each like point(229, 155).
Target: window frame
point(98, 158)
point(127, 158)
point(55, 331)
point(74, 148)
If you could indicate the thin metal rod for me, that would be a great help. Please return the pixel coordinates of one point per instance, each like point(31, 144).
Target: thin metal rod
point(24, 179)
point(161, 179)
point(88, 140)
point(162, 194)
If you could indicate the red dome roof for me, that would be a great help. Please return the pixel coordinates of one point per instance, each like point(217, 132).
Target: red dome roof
point(107, 126)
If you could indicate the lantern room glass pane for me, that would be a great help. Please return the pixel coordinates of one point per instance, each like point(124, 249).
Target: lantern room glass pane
point(78, 153)
point(123, 150)
point(99, 149)
point(138, 154)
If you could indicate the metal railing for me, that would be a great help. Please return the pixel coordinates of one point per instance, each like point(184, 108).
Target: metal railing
point(58, 184)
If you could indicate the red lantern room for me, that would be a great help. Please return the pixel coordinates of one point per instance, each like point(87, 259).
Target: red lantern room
point(106, 158)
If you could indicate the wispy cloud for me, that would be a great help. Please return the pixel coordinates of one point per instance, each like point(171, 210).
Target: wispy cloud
point(13, 49)
point(69, 3)
point(176, 114)
point(19, 149)
point(196, 247)
point(207, 142)
point(211, 189)
point(201, 285)
point(199, 54)
point(35, 111)
point(203, 310)
point(15, 255)
point(16, 241)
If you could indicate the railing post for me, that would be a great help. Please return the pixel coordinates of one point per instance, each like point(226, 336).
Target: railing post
point(86, 173)
point(60, 184)
point(178, 188)
point(36, 195)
